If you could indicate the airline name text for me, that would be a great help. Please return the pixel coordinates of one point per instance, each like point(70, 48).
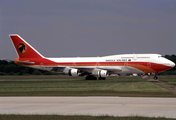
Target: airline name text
point(114, 60)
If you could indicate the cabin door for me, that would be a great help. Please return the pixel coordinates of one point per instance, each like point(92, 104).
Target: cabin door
point(148, 64)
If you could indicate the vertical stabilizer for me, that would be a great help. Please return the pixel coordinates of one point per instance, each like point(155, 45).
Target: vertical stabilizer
point(23, 49)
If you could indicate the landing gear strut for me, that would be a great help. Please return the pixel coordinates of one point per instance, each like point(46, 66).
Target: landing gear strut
point(156, 77)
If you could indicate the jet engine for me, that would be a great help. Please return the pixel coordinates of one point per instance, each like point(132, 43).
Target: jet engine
point(71, 72)
point(100, 73)
point(103, 73)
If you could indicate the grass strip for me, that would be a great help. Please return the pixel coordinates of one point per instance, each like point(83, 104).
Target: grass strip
point(171, 79)
point(77, 86)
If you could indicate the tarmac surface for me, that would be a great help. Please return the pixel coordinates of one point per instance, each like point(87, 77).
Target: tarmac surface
point(112, 106)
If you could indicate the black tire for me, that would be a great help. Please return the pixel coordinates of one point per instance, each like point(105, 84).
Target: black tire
point(102, 78)
point(90, 77)
point(155, 78)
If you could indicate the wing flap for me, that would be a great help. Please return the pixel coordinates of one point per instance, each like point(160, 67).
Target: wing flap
point(112, 68)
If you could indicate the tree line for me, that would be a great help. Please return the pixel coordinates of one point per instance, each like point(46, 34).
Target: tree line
point(10, 68)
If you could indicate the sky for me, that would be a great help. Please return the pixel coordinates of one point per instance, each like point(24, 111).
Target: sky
point(89, 28)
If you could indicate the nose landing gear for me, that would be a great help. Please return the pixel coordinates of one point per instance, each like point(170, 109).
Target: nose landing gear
point(156, 76)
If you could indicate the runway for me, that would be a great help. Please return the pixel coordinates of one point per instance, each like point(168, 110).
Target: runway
point(112, 106)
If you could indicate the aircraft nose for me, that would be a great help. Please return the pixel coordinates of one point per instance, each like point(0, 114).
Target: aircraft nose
point(172, 64)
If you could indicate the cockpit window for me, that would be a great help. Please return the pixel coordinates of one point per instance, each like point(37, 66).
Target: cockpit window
point(161, 56)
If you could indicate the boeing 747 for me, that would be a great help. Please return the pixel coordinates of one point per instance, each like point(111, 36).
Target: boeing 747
point(91, 67)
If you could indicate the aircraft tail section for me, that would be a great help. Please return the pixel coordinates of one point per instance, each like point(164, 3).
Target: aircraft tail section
point(23, 49)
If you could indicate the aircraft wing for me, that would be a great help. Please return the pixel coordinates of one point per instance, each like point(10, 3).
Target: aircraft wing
point(61, 69)
point(113, 69)
point(82, 69)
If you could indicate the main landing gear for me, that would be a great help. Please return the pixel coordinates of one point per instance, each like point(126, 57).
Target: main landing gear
point(91, 77)
point(101, 78)
point(156, 77)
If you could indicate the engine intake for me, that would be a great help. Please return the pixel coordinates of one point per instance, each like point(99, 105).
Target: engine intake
point(100, 73)
point(71, 72)
point(103, 73)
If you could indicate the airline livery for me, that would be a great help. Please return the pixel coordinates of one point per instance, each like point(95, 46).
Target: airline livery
point(92, 67)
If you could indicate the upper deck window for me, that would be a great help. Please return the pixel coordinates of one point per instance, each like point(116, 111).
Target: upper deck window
point(143, 57)
point(125, 57)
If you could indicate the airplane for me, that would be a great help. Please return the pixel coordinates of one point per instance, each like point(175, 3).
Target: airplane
point(91, 67)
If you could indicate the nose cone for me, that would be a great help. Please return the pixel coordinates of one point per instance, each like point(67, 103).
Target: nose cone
point(172, 64)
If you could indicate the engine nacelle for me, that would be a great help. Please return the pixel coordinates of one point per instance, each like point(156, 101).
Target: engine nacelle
point(100, 73)
point(103, 73)
point(71, 72)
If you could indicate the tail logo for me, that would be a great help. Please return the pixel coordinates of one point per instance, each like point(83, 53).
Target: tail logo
point(22, 48)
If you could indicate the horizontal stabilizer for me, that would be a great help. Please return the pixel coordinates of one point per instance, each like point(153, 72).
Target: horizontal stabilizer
point(24, 62)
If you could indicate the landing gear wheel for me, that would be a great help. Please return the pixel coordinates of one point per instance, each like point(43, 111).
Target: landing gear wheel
point(90, 77)
point(102, 78)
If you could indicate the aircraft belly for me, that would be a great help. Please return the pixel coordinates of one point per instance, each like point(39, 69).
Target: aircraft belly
point(130, 70)
point(110, 69)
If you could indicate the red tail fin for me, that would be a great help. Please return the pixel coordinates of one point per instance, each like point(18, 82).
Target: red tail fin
point(23, 49)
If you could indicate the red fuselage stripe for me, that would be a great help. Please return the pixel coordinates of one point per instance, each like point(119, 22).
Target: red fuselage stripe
point(146, 67)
